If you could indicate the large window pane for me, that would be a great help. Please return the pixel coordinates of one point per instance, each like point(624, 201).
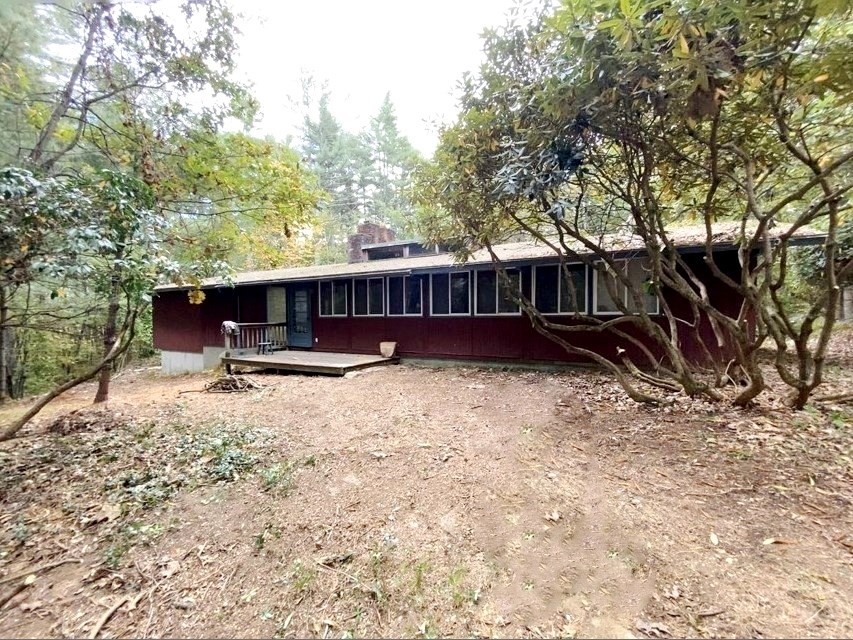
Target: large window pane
point(360, 298)
point(506, 299)
point(368, 297)
point(395, 296)
point(340, 298)
point(439, 294)
point(573, 298)
point(413, 295)
point(460, 293)
point(640, 277)
point(376, 293)
point(604, 301)
point(325, 298)
point(486, 283)
point(546, 288)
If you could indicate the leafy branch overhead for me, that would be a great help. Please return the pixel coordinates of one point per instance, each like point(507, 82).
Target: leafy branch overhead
point(595, 119)
point(119, 174)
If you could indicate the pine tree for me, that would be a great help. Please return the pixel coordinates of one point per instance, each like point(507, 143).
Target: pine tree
point(393, 162)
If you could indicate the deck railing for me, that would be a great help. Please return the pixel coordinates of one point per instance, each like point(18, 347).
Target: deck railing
point(253, 334)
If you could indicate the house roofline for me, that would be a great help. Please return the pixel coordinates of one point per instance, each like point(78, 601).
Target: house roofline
point(392, 243)
point(392, 266)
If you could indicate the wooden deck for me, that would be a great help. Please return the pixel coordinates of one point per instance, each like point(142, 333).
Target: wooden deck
point(309, 361)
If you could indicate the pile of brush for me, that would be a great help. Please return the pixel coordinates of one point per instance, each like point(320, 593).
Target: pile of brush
point(232, 384)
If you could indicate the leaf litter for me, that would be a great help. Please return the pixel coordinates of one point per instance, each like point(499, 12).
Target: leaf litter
point(160, 518)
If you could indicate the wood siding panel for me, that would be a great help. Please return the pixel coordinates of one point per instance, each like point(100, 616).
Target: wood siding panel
point(183, 327)
point(408, 332)
point(253, 304)
point(332, 334)
point(366, 333)
point(504, 337)
point(447, 337)
point(177, 323)
point(219, 306)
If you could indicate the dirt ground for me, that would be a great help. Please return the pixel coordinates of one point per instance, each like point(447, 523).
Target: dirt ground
point(407, 501)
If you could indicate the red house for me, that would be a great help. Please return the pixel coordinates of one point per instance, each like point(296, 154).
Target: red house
point(431, 306)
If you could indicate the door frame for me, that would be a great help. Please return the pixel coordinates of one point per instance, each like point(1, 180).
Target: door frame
point(291, 312)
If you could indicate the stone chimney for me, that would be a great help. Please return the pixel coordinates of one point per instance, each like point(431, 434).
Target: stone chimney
point(367, 233)
point(354, 244)
point(376, 232)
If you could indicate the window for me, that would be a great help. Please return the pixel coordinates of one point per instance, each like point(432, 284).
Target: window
point(460, 293)
point(368, 297)
point(439, 288)
point(604, 302)
point(491, 295)
point(552, 293)
point(333, 297)
point(637, 271)
point(404, 296)
point(450, 294)
point(640, 277)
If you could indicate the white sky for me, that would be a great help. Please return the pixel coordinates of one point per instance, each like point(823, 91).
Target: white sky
point(417, 51)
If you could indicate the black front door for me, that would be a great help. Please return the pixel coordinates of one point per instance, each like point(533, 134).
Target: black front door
point(299, 315)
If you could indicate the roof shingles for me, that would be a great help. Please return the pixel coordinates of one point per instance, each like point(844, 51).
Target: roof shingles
point(725, 233)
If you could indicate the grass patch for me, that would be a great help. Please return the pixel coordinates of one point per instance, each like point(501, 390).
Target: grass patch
point(219, 453)
point(278, 477)
point(131, 535)
point(420, 570)
point(230, 463)
point(269, 531)
point(145, 488)
point(427, 629)
point(167, 462)
point(460, 593)
point(302, 577)
point(840, 419)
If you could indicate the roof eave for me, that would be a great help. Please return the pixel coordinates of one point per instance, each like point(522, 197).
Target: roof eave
point(697, 247)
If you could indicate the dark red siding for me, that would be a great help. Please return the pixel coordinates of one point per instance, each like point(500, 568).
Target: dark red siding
point(484, 338)
point(177, 323)
point(513, 337)
point(180, 326)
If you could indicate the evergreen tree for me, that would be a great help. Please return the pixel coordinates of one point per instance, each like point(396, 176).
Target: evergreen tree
point(365, 176)
point(393, 163)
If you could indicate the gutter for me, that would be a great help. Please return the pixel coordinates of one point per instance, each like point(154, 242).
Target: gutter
point(810, 240)
point(268, 281)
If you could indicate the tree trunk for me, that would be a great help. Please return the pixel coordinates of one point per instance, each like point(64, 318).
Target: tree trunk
point(4, 373)
point(110, 332)
point(16, 364)
point(801, 397)
point(65, 99)
point(118, 348)
point(754, 386)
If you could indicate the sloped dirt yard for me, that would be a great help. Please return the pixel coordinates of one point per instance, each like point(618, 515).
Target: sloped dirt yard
point(405, 501)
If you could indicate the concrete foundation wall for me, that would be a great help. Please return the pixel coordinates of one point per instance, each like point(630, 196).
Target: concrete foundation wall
point(210, 356)
point(172, 362)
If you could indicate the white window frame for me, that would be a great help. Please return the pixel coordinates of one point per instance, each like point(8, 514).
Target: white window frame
point(388, 298)
point(449, 296)
point(368, 314)
point(585, 310)
point(342, 283)
point(497, 293)
point(624, 263)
